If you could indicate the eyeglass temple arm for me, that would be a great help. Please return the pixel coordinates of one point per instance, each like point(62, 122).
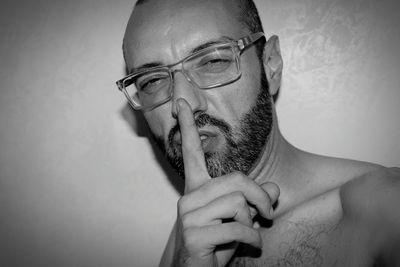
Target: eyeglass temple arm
point(246, 41)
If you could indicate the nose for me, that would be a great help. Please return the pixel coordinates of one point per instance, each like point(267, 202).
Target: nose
point(183, 88)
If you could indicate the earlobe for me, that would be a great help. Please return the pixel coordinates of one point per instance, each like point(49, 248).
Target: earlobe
point(273, 64)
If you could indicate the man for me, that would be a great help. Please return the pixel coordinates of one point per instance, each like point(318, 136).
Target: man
point(204, 77)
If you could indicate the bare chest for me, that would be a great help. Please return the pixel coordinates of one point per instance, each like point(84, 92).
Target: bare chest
point(321, 238)
point(303, 244)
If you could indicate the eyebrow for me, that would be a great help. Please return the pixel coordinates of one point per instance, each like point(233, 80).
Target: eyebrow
point(146, 66)
point(194, 50)
point(211, 43)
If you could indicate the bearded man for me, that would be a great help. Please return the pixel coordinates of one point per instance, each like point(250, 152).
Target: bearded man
point(204, 76)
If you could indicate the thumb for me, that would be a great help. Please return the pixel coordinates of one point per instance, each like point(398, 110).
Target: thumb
point(273, 192)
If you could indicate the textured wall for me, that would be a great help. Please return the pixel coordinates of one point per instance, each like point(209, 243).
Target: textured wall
point(81, 186)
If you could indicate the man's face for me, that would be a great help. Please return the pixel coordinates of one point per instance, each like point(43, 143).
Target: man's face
point(234, 120)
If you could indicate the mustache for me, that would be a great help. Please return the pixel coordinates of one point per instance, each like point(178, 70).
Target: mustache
point(200, 121)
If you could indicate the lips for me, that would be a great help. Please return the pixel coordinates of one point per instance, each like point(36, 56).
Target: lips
point(209, 143)
point(207, 138)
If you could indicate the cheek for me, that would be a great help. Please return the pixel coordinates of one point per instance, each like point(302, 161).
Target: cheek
point(160, 123)
point(233, 101)
point(250, 82)
point(241, 96)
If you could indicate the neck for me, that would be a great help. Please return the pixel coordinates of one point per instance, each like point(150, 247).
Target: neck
point(280, 163)
point(268, 163)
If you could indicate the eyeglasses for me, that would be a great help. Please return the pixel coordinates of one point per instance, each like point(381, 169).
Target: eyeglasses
point(211, 67)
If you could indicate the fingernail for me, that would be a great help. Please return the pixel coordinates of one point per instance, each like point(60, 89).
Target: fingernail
point(271, 212)
point(179, 102)
point(256, 225)
point(260, 242)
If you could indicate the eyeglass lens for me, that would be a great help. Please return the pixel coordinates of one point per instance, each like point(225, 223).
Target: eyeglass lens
point(210, 68)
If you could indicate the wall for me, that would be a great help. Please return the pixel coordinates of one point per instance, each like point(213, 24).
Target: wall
point(80, 184)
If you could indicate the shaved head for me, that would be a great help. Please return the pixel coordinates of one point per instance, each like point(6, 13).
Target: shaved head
point(246, 13)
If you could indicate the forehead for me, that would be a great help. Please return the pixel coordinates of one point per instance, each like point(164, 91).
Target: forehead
point(167, 30)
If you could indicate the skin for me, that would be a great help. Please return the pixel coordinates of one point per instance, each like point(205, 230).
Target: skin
point(335, 206)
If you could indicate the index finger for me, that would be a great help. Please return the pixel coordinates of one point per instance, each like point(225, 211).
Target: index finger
point(193, 155)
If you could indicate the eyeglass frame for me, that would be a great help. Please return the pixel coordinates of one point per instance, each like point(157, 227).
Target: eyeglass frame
point(241, 44)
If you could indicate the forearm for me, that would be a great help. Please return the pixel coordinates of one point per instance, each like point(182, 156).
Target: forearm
point(169, 251)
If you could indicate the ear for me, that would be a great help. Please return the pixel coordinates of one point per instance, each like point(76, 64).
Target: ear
point(273, 64)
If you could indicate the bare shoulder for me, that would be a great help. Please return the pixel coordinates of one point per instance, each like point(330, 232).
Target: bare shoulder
point(374, 197)
point(371, 202)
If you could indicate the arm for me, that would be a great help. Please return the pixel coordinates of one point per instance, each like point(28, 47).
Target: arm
point(168, 255)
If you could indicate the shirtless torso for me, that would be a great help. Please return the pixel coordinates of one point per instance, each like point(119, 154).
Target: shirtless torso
point(337, 228)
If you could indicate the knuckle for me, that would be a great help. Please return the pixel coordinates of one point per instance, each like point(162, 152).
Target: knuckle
point(238, 177)
point(182, 204)
point(200, 188)
point(237, 174)
point(239, 199)
point(186, 221)
point(189, 238)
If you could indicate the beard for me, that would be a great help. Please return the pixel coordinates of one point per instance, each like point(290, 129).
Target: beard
point(243, 144)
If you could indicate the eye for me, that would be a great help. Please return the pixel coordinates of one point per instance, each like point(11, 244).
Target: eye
point(150, 84)
point(214, 64)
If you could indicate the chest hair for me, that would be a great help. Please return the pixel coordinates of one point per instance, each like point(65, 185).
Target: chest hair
point(291, 244)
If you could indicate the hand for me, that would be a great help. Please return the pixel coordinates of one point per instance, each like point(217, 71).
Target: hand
point(203, 239)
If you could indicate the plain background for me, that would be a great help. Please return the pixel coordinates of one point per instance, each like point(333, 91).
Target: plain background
point(80, 184)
